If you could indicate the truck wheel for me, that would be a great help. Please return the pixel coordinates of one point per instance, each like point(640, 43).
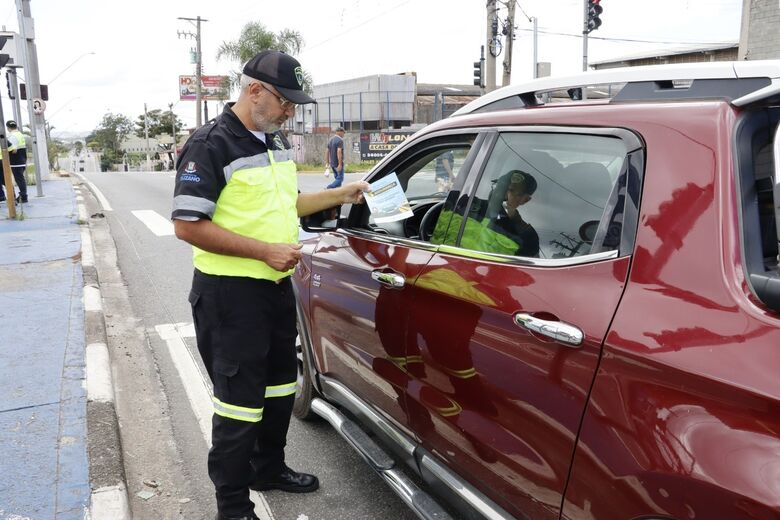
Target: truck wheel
point(304, 388)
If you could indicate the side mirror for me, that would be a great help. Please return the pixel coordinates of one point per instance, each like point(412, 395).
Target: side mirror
point(325, 220)
point(588, 231)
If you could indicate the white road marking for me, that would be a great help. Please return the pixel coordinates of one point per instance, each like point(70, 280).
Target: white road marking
point(198, 391)
point(92, 301)
point(99, 386)
point(156, 223)
point(98, 194)
point(195, 385)
point(87, 256)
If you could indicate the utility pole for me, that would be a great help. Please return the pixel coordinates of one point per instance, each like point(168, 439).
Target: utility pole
point(173, 133)
point(509, 38)
point(40, 152)
point(492, 38)
point(146, 135)
point(198, 64)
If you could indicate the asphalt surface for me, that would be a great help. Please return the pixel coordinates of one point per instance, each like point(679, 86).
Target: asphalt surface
point(163, 437)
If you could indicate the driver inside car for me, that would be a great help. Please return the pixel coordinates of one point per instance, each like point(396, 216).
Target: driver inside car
point(496, 225)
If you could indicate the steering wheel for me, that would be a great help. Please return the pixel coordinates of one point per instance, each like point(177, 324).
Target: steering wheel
point(429, 221)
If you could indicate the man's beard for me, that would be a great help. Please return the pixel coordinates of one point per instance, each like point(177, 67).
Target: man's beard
point(263, 123)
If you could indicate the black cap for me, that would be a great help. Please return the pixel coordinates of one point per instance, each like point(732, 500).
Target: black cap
point(521, 180)
point(282, 71)
point(340, 129)
point(10, 123)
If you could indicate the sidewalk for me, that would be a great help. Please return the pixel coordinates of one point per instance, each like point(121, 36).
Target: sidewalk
point(44, 464)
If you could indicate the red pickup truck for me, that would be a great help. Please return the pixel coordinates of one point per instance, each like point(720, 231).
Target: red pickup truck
point(584, 323)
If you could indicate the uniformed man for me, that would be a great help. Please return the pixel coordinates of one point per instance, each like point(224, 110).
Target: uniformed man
point(236, 201)
point(17, 151)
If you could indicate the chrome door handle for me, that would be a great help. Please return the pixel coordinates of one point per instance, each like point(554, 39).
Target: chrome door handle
point(389, 279)
point(557, 330)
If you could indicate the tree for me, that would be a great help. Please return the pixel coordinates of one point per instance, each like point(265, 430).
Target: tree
point(55, 147)
point(108, 137)
point(78, 146)
point(159, 123)
point(255, 38)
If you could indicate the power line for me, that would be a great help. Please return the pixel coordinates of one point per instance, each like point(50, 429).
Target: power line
point(357, 26)
point(522, 10)
point(630, 40)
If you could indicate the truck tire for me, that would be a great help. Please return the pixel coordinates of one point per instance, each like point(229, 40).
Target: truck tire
point(304, 389)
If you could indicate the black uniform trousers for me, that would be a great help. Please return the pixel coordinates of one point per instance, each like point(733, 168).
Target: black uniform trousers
point(246, 330)
point(21, 182)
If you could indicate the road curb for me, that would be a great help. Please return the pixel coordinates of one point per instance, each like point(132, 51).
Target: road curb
point(106, 468)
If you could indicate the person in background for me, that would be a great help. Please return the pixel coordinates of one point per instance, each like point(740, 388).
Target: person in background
point(444, 174)
point(334, 156)
point(17, 152)
point(237, 202)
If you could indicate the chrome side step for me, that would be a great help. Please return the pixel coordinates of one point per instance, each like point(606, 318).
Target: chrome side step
point(418, 500)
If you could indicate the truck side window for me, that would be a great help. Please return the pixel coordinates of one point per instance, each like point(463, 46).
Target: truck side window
point(537, 192)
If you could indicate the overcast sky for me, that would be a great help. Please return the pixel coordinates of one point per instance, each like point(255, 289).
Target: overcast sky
point(138, 56)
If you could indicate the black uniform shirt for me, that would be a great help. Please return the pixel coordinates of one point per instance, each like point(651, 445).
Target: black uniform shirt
point(200, 169)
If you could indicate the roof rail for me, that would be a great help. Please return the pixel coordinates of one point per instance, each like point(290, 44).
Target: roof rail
point(524, 95)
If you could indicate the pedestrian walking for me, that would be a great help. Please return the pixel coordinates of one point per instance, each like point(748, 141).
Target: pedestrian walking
point(17, 160)
point(236, 201)
point(334, 156)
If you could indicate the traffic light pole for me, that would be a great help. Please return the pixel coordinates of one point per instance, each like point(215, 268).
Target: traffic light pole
point(40, 153)
point(585, 36)
point(13, 91)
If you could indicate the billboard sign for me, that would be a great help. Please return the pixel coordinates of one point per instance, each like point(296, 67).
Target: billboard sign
point(375, 145)
point(211, 87)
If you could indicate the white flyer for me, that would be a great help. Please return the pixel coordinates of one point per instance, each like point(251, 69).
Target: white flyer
point(387, 200)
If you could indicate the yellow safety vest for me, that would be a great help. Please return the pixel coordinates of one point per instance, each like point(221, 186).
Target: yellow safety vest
point(20, 137)
point(259, 201)
point(477, 235)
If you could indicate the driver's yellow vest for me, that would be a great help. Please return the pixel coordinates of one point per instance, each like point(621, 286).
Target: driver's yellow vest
point(478, 235)
point(258, 201)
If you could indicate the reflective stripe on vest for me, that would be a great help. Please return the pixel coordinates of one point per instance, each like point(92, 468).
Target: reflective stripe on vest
point(239, 413)
point(280, 390)
point(258, 201)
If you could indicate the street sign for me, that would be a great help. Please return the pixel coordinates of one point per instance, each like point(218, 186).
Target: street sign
point(215, 88)
point(38, 106)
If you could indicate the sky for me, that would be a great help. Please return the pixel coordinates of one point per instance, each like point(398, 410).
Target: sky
point(101, 56)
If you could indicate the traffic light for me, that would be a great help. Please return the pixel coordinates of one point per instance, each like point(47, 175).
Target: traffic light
point(8, 84)
point(4, 58)
point(44, 91)
point(593, 21)
point(479, 73)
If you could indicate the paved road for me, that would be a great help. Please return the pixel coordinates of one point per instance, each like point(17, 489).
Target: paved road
point(157, 270)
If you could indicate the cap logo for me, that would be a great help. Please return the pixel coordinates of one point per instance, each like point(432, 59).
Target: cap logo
point(299, 76)
point(517, 178)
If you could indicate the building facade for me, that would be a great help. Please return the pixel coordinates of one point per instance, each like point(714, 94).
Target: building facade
point(760, 32)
